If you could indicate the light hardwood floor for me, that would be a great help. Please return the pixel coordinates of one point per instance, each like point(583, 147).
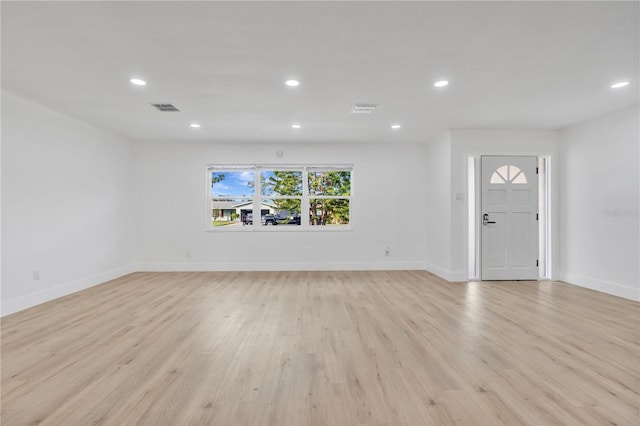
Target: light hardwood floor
point(322, 348)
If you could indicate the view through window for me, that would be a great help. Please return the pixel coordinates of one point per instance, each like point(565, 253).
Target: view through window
point(279, 197)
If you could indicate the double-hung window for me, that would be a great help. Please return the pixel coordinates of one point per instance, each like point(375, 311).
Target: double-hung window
point(281, 189)
point(296, 197)
point(329, 196)
point(231, 191)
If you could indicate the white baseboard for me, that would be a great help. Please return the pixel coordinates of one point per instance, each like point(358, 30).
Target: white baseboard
point(445, 274)
point(346, 266)
point(452, 276)
point(27, 301)
point(607, 287)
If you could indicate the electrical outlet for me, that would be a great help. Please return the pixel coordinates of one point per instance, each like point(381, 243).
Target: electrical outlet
point(187, 253)
point(386, 251)
point(36, 274)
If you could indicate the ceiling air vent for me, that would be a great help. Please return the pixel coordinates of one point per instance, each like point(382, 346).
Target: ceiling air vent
point(165, 107)
point(363, 108)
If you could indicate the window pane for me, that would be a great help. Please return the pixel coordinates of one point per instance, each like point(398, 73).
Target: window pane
point(281, 182)
point(230, 212)
point(513, 171)
point(329, 182)
point(497, 178)
point(280, 211)
point(504, 173)
point(520, 178)
point(226, 184)
point(333, 211)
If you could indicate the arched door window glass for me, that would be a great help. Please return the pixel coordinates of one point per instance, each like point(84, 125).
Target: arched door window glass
point(508, 173)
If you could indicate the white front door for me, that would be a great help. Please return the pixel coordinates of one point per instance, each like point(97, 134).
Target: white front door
point(509, 218)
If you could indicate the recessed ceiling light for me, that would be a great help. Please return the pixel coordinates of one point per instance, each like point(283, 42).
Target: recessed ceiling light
point(619, 84)
point(441, 83)
point(195, 125)
point(292, 83)
point(395, 126)
point(138, 82)
point(296, 126)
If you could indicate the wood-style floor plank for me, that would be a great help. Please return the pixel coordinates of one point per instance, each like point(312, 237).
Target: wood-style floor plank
point(322, 348)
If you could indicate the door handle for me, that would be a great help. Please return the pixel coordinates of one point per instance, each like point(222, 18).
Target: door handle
point(485, 219)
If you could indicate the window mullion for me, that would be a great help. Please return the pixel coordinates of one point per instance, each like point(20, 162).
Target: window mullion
point(304, 214)
point(257, 199)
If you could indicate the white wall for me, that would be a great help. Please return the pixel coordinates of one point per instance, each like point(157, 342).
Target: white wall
point(465, 143)
point(437, 189)
point(599, 182)
point(388, 210)
point(66, 204)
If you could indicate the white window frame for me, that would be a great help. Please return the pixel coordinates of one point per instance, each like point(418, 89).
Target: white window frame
point(257, 197)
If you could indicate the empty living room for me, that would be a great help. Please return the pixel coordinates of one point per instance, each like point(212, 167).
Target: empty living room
point(320, 213)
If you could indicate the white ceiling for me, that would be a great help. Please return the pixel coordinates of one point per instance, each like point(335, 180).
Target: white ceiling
point(515, 65)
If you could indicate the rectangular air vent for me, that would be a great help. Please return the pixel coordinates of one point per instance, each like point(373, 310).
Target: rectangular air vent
point(166, 107)
point(363, 108)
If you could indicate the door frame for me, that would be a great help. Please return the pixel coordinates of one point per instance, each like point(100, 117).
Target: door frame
point(545, 207)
